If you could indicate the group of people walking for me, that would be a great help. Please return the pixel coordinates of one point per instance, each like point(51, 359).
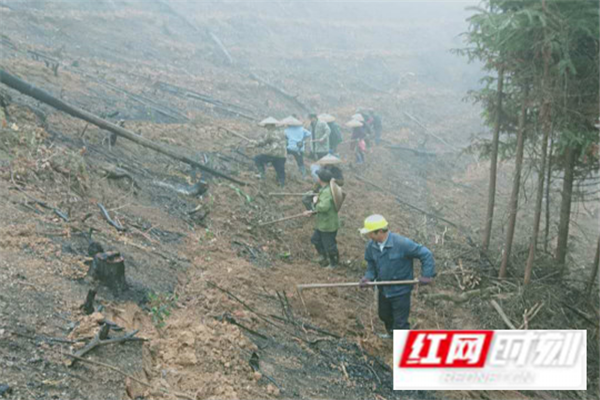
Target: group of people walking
point(389, 256)
point(322, 137)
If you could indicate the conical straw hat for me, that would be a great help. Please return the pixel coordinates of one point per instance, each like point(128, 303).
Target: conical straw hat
point(326, 118)
point(358, 117)
point(338, 194)
point(268, 121)
point(354, 124)
point(290, 121)
point(329, 160)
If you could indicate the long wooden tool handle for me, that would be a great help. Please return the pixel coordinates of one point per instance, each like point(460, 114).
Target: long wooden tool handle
point(292, 194)
point(237, 134)
point(282, 219)
point(355, 284)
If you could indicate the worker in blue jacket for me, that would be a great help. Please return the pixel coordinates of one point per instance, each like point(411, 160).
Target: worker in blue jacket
point(390, 257)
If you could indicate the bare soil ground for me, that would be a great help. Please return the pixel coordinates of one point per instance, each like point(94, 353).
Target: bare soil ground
point(210, 291)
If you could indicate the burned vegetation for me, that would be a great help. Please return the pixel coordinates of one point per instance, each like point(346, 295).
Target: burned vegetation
point(145, 253)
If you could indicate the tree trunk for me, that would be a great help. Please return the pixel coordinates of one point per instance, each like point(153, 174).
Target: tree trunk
point(545, 118)
point(548, 182)
point(494, 162)
point(109, 269)
point(592, 281)
point(565, 207)
point(38, 94)
point(514, 198)
point(538, 208)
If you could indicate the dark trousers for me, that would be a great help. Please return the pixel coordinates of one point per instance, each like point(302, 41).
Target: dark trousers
point(324, 242)
point(377, 137)
point(394, 311)
point(278, 163)
point(360, 156)
point(299, 157)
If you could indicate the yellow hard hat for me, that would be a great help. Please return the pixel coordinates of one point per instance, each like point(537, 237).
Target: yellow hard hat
point(374, 223)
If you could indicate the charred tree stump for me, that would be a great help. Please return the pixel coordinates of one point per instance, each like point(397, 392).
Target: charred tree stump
point(88, 306)
point(109, 270)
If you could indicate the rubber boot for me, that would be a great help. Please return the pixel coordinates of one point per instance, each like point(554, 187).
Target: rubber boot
point(334, 259)
point(321, 258)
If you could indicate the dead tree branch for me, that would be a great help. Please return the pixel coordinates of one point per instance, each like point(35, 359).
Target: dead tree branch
point(100, 340)
point(293, 99)
point(504, 317)
point(109, 219)
point(115, 369)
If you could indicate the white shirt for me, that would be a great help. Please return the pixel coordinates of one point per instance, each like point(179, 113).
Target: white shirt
point(382, 244)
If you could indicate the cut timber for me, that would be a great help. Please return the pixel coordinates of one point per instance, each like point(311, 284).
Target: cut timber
point(428, 133)
point(504, 317)
point(415, 151)
point(109, 269)
point(222, 47)
point(237, 134)
point(186, 93)
point(293, 99)
point(38, 94)
point(173, 114)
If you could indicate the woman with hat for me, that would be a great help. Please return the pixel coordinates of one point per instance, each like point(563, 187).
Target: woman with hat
point(296, 135)
point(329, 163)
point(272, 150)
point(327, 223)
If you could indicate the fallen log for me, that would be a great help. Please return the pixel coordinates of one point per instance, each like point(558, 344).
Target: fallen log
point(109, 219)
point(224, 108)
point(415, 151)
point(460, 228)
point(38, 94)
point(41, 203)
point(504, 317)
point(221, 46)
point(173, 114)
point(293, 99)
point(195, 28)
point(237, 134)
point(174, 89)
point(428, 133)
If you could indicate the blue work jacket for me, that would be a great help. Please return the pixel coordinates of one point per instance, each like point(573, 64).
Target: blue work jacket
point(395, 263)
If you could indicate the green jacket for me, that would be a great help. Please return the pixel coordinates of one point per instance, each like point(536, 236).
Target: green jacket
point(327, 215)
point(321, 132)
point(272, 144)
